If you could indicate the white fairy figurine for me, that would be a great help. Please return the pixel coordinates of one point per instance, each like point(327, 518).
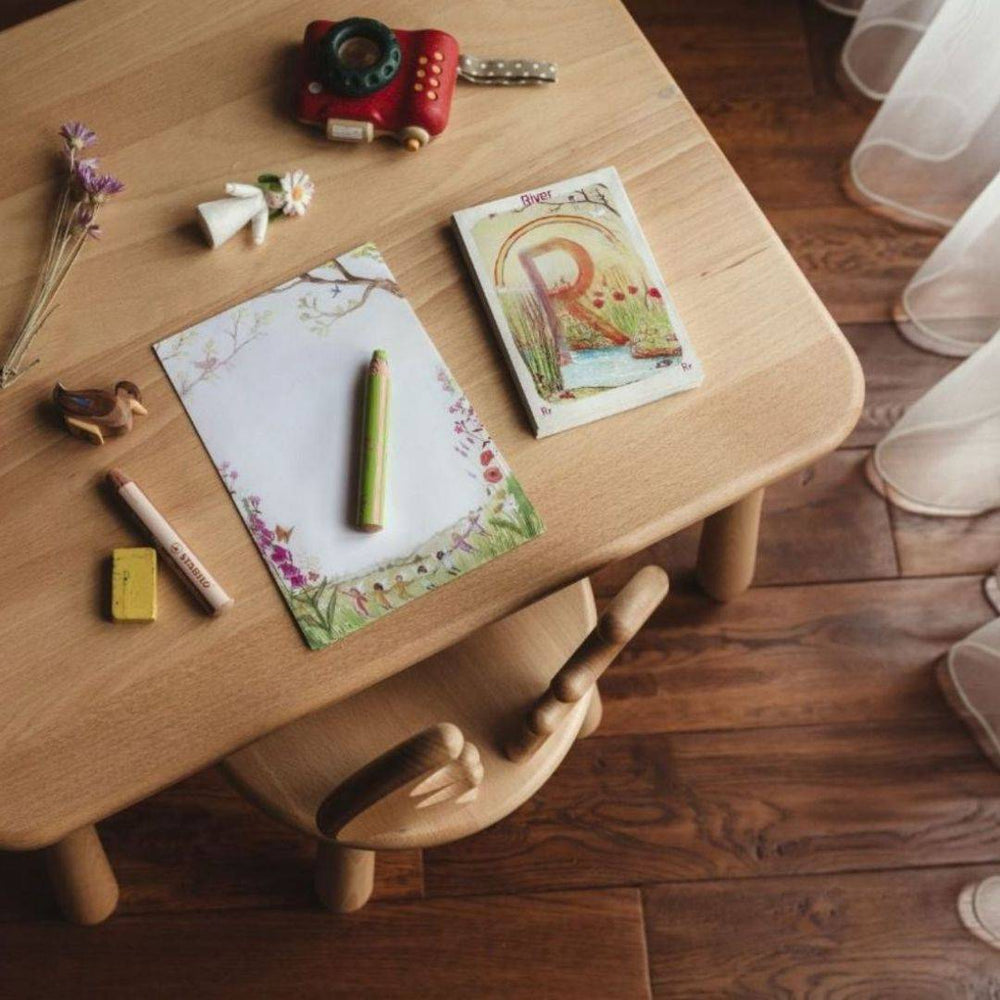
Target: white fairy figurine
point(255, 204)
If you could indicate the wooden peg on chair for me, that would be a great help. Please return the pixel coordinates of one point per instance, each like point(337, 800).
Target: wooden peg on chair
point(577, 680)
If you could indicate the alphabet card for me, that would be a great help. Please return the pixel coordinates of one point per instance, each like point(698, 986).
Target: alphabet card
point(274, 389)
point(575, 295)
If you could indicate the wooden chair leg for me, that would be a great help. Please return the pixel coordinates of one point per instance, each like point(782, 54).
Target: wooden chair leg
point(344, 876)
point(595, 710)
point(82, 879)
point(727, 554)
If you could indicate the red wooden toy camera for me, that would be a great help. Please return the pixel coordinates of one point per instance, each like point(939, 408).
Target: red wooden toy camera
point(359, 79)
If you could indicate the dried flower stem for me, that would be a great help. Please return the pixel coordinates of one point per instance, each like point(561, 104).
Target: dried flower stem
point(84, 191)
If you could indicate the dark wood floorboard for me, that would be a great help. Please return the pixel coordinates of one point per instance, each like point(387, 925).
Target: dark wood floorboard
point(890, 935)
point(500, 947)
point(825, 523)
point(929, 545)
point(821, 524)
point(736, 804)
point(825, 34)
point(858, 263)
point(789, 149)
point(717, 46)
point(783, 656)
point(777, 782)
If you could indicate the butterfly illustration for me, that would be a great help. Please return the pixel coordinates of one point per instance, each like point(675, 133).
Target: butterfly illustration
point(283, 534)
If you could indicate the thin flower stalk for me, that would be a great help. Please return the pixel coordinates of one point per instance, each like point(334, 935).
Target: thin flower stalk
point(84, 191)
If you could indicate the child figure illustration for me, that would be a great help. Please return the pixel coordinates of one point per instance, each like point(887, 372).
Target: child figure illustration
point(360, 601)
point(381, 596)
point(460, 541)
point(399, 588)
point(444, 558)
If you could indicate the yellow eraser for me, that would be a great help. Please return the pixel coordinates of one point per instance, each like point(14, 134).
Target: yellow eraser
point(133, 585)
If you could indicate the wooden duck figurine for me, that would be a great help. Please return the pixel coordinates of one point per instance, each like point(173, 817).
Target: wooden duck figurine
point(92, 413)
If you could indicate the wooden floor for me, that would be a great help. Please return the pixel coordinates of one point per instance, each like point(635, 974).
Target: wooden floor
point(778, 804)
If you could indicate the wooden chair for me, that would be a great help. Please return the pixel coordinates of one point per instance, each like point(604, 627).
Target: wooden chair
point(449, 746)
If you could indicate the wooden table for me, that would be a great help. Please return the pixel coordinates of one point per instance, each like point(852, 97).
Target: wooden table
point(187, 95)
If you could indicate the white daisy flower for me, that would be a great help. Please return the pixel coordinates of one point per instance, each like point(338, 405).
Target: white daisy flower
point(298, 190)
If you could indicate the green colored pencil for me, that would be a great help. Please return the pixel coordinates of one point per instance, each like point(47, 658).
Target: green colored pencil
point(374, 441)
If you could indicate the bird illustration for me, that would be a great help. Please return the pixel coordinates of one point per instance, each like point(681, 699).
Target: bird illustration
point(92, 413)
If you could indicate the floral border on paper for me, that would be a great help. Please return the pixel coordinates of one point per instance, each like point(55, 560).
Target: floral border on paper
point(328, 608)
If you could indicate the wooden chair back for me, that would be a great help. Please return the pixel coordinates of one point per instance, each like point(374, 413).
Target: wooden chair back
point(576, 680)
point(435, 768)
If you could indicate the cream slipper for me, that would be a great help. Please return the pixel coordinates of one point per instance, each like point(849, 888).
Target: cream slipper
point(979, 909)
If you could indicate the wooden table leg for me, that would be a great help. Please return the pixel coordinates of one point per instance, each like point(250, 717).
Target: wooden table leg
point(727, 553)
point(344, 876)
point(83, 882)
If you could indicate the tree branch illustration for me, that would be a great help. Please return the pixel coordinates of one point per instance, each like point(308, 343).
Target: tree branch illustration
point(212, 364)
point(349, 279)
point(324, 318)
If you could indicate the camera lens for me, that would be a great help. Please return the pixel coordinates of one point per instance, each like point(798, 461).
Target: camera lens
point(358, 57)
point(359, 53)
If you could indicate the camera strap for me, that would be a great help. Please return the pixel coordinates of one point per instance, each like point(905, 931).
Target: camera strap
point(505, 72)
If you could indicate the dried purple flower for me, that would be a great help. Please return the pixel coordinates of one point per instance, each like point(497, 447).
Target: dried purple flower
point(76, 135)
point(88, 183)
point(104, 186)
point(83, 178)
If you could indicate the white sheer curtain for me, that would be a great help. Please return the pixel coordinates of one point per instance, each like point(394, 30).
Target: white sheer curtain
point(884, 36)
point(951, 305)
point(931, 155)
point(850, 7)
point(931, 158)
point(935, 143)
point(943, 457)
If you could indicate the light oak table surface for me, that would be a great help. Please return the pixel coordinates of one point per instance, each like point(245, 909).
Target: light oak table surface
point(187, 95)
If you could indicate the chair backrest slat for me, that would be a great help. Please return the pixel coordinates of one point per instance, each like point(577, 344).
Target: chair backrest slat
point(624, 616)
